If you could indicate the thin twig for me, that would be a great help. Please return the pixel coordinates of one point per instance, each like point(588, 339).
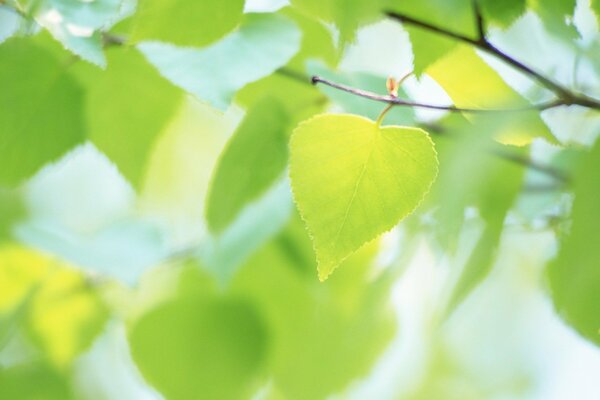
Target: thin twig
point(399, 102)
point(479, 21)
point(566, 96)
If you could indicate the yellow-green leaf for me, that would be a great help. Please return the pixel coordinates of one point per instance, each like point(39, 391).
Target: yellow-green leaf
point(455, 73)
point(353, 180)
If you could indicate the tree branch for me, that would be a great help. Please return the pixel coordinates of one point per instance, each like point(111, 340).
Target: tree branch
point(479, 22)
point(399, 102)
point(566, 96)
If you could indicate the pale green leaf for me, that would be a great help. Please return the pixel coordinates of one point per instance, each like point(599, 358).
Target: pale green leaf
point(41, 114)
point(128, 106)
point(90, 14)
point(353, 180)
point(186, 22)
point(9, 23)
point(455, 74)
point(88, 48)
point(575, 274)
point(192, 346)
point(263, 43)
point(252, 160)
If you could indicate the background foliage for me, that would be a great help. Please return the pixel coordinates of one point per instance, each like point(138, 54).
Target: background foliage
point(186, 214)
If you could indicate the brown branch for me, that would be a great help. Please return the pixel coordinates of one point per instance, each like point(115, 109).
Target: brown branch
point(399, 102)
point(566, 96)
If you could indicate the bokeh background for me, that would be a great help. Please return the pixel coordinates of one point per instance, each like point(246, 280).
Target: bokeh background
point(87, 255)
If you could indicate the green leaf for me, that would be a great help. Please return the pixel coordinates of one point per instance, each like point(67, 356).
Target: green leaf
point(186, 22)
point(575, 274)
point(353, 180)
point(502, 13)
point(455, 74)
point(41, 114)
point(128, 106)
point(263, 43)
point(252, 160)
point(595, 4)
point(192, 346)
point(34, 381)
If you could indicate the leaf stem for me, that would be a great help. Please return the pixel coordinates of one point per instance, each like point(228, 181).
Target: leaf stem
point(382, 115)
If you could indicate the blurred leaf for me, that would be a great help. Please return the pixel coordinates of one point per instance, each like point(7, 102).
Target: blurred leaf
point(453, 15)
point(557, 16)
point(65, 316)
point(324, 335)
point(10, 23)
point(35, 90)
point(123, 250)
point(252, 160)
point(88, 47)
point(256, 224)
point(33, 382)
point(20, 271)
point(455, 74)
point(212, 347)
point(487, 182)
point(317, 41)
point(353, 104)
point(595, 4)
point(301, 99)
point(91, 14)
point(503, 13)
point(347, 15)
point(12, 210)
point(60, 312)
point(263, 43)
point(128, 106)
point(353, 181)
point(186, 22)
point(575, 273)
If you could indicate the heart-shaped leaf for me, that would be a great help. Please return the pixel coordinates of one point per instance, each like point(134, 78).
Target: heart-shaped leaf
point(354, 180)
